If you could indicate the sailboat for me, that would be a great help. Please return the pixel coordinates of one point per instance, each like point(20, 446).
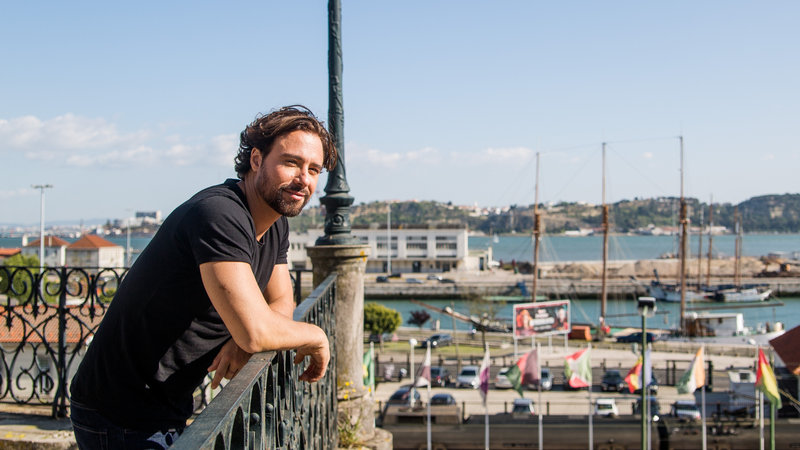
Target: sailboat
point(737, 292)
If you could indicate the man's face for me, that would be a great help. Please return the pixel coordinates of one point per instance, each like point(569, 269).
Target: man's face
point(287, 177)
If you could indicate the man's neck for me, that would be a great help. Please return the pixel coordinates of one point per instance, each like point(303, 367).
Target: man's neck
point(263, 215)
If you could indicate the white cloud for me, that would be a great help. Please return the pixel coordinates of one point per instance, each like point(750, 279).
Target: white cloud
point(77, 141)
point(769, 157)
point(15, 193)
point(647, 155)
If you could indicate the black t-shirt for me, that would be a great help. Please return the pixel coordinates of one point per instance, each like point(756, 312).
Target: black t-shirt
point(161, 332)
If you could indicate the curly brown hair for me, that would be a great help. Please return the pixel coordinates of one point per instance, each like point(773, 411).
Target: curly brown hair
point(261, 134)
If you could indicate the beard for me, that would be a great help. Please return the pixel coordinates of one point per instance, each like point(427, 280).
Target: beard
point(274, 197)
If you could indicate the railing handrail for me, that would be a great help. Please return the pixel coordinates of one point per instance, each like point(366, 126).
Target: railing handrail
point(231, 408)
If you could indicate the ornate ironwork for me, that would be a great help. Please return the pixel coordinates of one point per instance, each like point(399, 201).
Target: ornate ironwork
point(48, 317)
point(265, 406)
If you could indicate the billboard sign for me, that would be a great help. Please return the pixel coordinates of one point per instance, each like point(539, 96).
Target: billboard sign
point(542, 319)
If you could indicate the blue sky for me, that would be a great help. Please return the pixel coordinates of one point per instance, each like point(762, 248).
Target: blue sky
point(140, 105)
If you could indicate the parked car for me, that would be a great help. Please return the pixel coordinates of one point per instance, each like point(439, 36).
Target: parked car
point(447, 280)
point(501, 381)
point(437, 340)
point(435, 277)
point(636, 337)
point(653, 387)
point(468, 377)
point(440, 376)
point(396, 275)
point(414, 281)
point(547, 380)
point(443, 400)
point(612, 381)
point(382, 279)
point(685, 410)
point(523, 408)
point(403, 397)
point(655, 408)
point(606, 407)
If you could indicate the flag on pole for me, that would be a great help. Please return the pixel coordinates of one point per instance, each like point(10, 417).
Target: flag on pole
point(647, 370)
point(369, 368)
point(634, 376)
point(578, 368)
point(525, 371)
point(484, 376)
point(694, 377)
point(766, 382)
point(423, 376)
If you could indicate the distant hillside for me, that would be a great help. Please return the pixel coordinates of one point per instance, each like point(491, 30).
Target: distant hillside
point(768, 213)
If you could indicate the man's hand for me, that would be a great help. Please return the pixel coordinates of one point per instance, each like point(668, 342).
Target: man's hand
point(228, 362)
point(320, 354)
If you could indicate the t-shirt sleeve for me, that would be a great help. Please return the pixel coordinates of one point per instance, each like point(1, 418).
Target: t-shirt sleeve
point(283, 250)
point(219, 230)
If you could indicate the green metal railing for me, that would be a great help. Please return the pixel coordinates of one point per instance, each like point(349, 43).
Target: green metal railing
point(265, 406)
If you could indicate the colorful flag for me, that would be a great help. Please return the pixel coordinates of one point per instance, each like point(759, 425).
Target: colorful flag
point(634, 376)
point(484, 376)
point(578, 368)
point(369, 368)
point(524, 371)
point(694, 377)
point(423, 377)
point(766, 382)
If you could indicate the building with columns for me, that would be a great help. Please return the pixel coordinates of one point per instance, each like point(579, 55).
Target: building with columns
point(435, 248)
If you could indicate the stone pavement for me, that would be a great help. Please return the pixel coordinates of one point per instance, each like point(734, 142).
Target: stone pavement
point(31, 428)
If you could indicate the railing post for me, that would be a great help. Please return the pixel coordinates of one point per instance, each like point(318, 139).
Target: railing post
point(60, 401)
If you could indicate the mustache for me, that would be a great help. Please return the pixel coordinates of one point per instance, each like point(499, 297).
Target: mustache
point(296, 188)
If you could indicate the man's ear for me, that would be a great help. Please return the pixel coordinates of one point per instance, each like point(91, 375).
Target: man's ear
point(255, 159)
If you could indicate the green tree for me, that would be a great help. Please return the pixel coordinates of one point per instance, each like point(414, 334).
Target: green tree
point(379, 319)
point(22, 279)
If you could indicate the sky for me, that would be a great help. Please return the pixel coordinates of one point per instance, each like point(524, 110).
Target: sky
point(135, 107)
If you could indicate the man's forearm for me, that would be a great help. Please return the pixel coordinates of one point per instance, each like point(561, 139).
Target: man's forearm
point(283, 307)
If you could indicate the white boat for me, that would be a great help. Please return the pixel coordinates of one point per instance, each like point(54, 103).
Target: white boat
point(725, 328)
point(665, 293)
point(752, 294)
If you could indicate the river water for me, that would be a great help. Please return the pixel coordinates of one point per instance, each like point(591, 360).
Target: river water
point(561, 248)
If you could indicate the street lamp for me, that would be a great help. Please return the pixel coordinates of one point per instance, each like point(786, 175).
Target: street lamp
point(41, 188)
point(412, 343)
point(647, 308)
point(128, 246)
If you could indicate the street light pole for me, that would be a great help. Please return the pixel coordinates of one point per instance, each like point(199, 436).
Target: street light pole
point(412, 343)
point(337, 199)
point(41, 188)
point(128, 243)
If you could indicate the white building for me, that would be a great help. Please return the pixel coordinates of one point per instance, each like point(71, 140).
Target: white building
point(93, 251)
point(55, 250)
point(414, 248)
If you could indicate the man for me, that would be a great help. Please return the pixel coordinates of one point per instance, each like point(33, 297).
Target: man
point(210, 289)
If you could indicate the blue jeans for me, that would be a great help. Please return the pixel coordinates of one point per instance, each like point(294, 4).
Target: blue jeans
point(95, 432)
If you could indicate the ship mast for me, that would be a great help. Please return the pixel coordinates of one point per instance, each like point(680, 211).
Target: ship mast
point(700, 252)
point(710, 237)
point(604, 289)
point(737, 247)
point(537, 230)
point(683, 247)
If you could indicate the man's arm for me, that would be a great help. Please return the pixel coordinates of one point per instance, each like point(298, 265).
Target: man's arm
point(254, 324)
point(279, 293)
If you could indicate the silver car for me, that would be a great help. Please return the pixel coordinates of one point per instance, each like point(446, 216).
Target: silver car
point(501, 381)
point(469, 377)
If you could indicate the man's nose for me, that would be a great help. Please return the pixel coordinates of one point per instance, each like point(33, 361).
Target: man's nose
point(304, 177)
